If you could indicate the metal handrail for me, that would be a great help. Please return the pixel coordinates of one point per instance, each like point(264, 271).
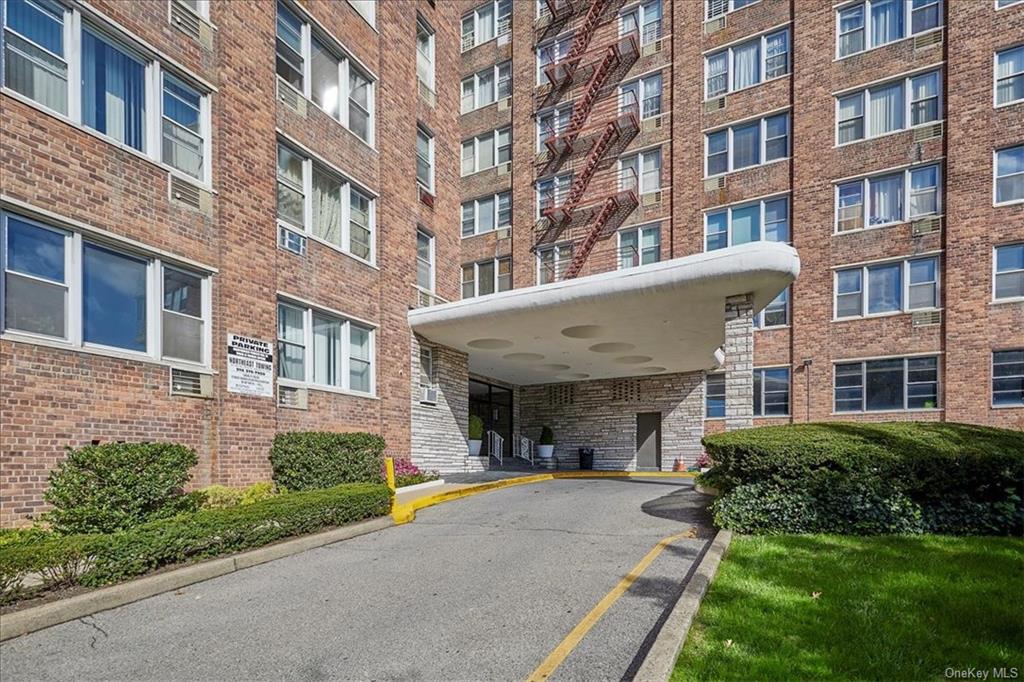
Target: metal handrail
point(495, 446)
point(526, 449)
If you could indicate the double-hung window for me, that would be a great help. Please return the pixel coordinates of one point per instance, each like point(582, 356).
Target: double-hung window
point(639, 246)
point(552, 52)
point(1008, 282)
point(486, 22)
point(486, 277)
point(552, 263)
point(62, 286)
point(766, 220)
point(886, 385)
point(771, 392)
point(716, 8)
point(424, 53)
point(644, 19)
point(424, 260)
point(866, 25)
point(321, 71)
point(486, 151)
point(316, 201)
point(889, 107)
point(552, 123)
point(888, 199)
point(424, 159)
point(426, 373)
point(1010, 76)
point(323, 349)
point(122, 91)
point(486, 214)
point(747, 64)
point(714, 396)
point(552, 191)
point(641, 172)
point(745, 145)
point(642, 96)
point(775, 314)
point(487, 87)
point(1008, 378)
point(1009, 172)
point(882, 288)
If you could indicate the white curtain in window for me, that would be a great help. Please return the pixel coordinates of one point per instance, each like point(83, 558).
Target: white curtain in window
point(326, 351)
point(886, 21)
point(485, 23)
point(886, 200)
point(718, 66)
point(327, 208)
point(746, 61)
point(652, 172)
point(886, 109)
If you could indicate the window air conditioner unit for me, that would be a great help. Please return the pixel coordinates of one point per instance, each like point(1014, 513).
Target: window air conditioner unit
point(189, 23)
point(714, 26)
point(651, 198)
point(713, 105)
point(927, 40)
point(504, 103)
point(504, 168)
point(928, 132)
point(428, 395)
point(503, 232)
point(191, 384)
point(714, 184)
point(653, 47)
point(653, 123)
point(924, 226)
point(293, 397)
point(290, 97)
point(185, 193)
point(926, 318)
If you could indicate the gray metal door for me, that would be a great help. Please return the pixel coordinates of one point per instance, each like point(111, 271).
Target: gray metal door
point(648, 440)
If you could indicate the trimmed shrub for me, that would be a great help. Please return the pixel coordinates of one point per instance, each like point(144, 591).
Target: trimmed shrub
point(257, 492)
point(113, 486)
point(100, 559)
point(476, 427)
point(309, 460)
point(547, 436)
point(869, 478)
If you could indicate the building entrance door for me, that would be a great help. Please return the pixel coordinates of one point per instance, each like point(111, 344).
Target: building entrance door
point(493, 404)
point(648, 441)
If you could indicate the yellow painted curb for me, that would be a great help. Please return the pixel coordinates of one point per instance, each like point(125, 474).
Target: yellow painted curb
point(404, 512)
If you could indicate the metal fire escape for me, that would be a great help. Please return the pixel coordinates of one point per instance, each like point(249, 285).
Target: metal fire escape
point(587, 142)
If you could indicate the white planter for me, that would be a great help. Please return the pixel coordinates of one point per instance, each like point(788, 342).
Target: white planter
point(704, 470)
point(545, 451)
point(474, 447)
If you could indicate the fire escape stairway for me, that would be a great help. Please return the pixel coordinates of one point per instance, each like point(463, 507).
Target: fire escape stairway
point(560, 73)
point(613, 212)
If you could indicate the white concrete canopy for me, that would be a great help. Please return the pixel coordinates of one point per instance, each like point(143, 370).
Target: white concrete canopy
point(656, 319)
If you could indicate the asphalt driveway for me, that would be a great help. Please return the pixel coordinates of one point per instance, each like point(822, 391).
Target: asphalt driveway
point(482, 588)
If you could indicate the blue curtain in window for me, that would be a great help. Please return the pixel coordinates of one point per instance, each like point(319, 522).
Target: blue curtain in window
point(113, 92)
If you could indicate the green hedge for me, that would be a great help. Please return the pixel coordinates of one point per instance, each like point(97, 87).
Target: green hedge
point(869, 478)
point(100, 559)
point(308, 460)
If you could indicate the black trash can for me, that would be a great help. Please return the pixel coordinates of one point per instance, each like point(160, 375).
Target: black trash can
point(586, 458)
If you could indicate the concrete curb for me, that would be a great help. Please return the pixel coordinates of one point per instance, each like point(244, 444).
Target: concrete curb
point(661, 658)
point(44, 616)
point(419, 486)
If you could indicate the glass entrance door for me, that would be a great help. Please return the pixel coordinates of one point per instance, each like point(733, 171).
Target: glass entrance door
point(493, 404)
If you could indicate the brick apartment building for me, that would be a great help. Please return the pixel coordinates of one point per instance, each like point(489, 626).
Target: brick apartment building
point(223, 220)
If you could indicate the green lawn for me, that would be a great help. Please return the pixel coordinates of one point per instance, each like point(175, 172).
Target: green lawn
point(836, 607)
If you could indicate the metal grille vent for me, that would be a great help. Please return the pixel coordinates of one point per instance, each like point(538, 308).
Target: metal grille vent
point(713, 105)
point(926, 318)
point(290, 97)
point(927, 40)
point(714, 184)
point(626, 391)
point(292, 397)
point(185, 193)
point(714, 26)
point(929, 132)
point(561, 394)
point(185, 20)
point(926, 226)
point(192, 384)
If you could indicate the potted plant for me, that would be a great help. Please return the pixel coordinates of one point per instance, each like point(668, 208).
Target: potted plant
point(476, 435)
point(546, 444)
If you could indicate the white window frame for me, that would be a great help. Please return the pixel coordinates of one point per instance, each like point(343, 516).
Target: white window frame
point(762, 63)
point(995, 178)
point(308, 310)
point(556, 114)
point(75, 241)
point(729, 5)
point(560, 186)
point(562, 44)
point(431, 264)
point(367, 9)
point(426, 352)
point(866, 197)
point(643, 83)
point(992, 378)
point(869, 44)
point(497, 28)
point(474, 85)
point(906, 384)
point(640, 231)
point(626, 184)
point(996, 78)
point(789, 392)
point(1007, 3)
point(763, 143)
point(347, 187)
point(641, 10)
point(423, 26)
point(563, 253)
point(865, 296)
point(996, 273)
point(476, 276)
point(864, 94)
point(489, 138)
point(421, 130)
point(479, 229)
point(758, 319)
point(728, 210)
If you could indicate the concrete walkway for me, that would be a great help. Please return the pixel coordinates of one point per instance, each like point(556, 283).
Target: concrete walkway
point(482, 588)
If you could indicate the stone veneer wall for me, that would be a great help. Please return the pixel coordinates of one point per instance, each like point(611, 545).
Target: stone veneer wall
point(739, 363)
point(602, 414)
point(439, 432)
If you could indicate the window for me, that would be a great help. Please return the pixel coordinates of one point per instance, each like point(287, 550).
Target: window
point(1010, 76)
point(486, 277)
point(644, 19)
point(766, 220)
point(486, 151)
point(552, 192)
point(716, 8)
point(771, 392)
point(887, 384)
point(487, 87)
point(775, 314)
point(426, 369)
point(642, 95)
point(1000, 4)
point(113, 91)
point(112, 299)
point(314, 200)
point(424, 260)
point(486, 214)
point(552, 52)
point(891, 199)
point(1009, 171)
point(639, 246)
point(322, 72)
point(485, 23)
point(552, 262)
point(182, 127)
point(874, 23)
point(714, 396)
point(1008, 378)
point(552, 123)
point(323, 349)
point(367, 9)
point(424, 53)
point(1009, 272)
point(747, 64)
point(887, 108)
point(425, 159)
point(746, 145)
point(35, 60)
point(879, 289)
point(641, 172)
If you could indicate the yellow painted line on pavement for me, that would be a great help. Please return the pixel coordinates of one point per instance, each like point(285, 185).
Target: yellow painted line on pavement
point(576, 635)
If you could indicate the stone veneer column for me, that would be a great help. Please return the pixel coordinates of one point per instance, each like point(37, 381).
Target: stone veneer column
point(739, 362)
